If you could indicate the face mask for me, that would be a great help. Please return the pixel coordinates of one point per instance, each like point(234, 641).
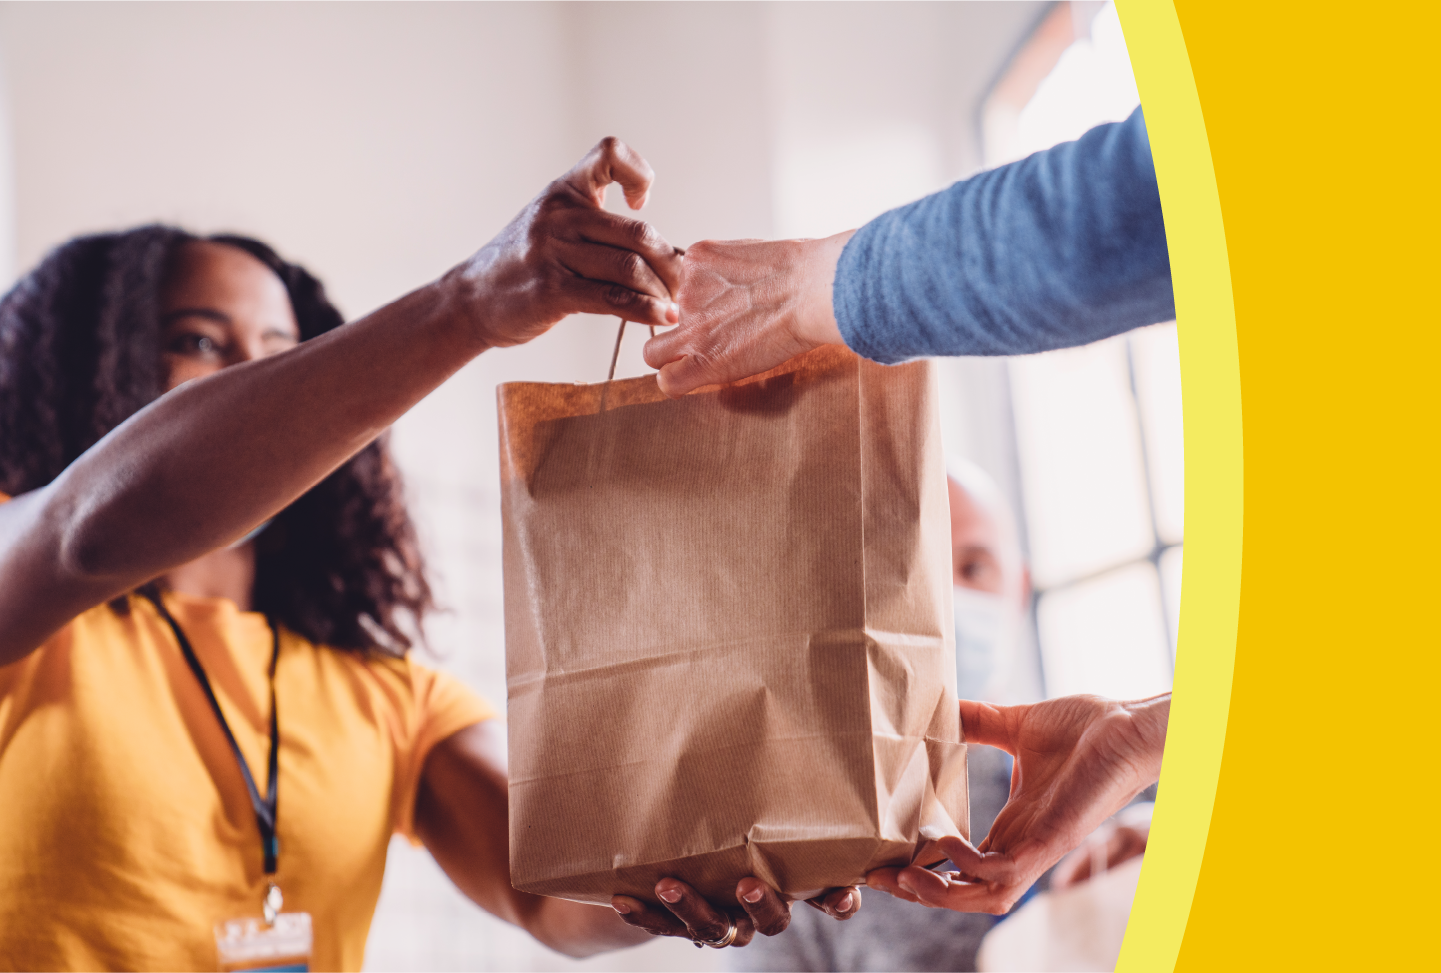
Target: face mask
point(252, 535)
point(983, 637)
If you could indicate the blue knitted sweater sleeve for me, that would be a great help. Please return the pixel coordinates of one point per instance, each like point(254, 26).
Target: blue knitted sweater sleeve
point(1059, 249)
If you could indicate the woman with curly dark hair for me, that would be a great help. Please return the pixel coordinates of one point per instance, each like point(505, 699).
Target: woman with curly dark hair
point(93, 335)
point(209, 726)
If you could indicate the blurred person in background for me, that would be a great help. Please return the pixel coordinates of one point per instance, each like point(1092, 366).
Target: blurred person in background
point(1064, 247)
point(209, 583)
point(992, 594)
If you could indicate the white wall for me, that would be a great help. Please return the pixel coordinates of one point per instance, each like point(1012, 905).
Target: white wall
point(380, 143)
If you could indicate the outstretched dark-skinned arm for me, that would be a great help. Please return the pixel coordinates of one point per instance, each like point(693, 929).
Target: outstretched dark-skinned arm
point(198, 468)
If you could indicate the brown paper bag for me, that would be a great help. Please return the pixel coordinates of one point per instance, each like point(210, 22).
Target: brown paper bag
point(729, 646)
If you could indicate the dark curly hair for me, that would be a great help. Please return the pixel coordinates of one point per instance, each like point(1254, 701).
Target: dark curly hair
point(80, 351)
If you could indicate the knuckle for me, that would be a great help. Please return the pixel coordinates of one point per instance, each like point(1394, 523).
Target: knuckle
point(775, 925)
point(541, 229)
point(621, 297)
point(638, 233)
point(645, 920)
point(632, 265)
point(534, 247)
point(700, 362)
point(711, 929)
point(647, 237)
point(555, 196)
point(702, 251)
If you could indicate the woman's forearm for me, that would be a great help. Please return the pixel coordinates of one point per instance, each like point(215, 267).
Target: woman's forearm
point(462, 814)
point(204, 464)
point(220, 454)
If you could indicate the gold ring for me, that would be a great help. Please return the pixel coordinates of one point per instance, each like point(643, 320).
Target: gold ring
point(722, 942)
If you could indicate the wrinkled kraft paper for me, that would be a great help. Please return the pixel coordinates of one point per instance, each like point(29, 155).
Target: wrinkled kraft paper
point(729, 646)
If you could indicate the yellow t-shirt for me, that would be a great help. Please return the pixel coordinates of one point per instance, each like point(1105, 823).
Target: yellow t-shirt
point(125, 829)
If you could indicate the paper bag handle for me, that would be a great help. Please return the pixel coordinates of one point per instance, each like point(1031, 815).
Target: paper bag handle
point(615, 357)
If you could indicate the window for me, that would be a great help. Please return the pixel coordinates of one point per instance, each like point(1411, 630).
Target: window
point(1098, 428)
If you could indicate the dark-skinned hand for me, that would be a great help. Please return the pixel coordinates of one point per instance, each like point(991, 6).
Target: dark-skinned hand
point(758, 909)
point(565, 254)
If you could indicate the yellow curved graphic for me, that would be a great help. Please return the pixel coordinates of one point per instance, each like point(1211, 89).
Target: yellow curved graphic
point(1211, 395)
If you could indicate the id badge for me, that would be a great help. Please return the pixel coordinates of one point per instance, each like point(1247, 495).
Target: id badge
point(250, 944)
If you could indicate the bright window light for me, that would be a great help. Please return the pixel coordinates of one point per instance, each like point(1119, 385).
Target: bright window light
point(1098, 428)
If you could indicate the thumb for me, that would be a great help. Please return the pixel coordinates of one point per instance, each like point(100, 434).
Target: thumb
point(989, 725)
point(961, 852)
point(978, 865)
point(682, 375)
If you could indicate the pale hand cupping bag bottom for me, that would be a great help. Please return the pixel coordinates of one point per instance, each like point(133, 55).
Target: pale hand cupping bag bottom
point(729, 646)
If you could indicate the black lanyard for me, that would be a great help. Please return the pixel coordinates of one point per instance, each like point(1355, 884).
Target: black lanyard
point(265, 808)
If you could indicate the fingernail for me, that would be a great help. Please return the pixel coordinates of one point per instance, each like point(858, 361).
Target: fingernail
point(847, 902)
point(754, 895)
point(621, 907)
point(670, 895)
